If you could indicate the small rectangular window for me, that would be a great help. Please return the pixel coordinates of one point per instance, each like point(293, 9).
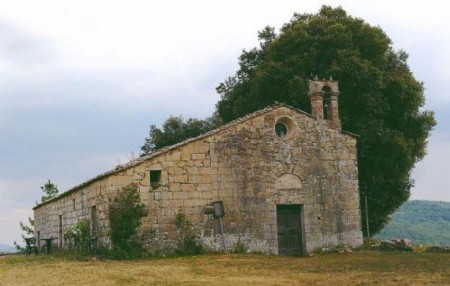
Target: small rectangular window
point(155, 178)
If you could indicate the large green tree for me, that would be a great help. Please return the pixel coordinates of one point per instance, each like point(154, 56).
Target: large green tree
point(379, 97)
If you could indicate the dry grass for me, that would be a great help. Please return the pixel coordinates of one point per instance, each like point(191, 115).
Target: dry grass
point(362, 268)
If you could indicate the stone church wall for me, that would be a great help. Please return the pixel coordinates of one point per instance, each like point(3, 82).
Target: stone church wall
point(248, 167)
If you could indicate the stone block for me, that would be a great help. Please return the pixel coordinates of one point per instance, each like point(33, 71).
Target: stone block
point(185, 156)
point(200, 163)
point(180, 178)
point(192, 170)
point(200, 149)
point(175, 156)
point(187, 187)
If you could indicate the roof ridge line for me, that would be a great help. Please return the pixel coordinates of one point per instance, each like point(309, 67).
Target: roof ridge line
point(165, 149)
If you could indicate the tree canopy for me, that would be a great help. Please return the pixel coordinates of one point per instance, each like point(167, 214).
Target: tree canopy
point(50, 191)
point(380, 99)
point(175, 129)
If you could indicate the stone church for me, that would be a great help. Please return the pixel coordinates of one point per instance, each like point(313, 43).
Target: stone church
point(278, 181)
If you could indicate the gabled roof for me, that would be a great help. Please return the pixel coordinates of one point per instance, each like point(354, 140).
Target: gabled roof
point(163, 150)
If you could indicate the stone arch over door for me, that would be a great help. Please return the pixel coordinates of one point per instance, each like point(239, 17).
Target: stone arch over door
point(287, 182)
point(289, 214)
point(287, 188)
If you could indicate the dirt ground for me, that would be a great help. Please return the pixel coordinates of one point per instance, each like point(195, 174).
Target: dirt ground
point(361, 268)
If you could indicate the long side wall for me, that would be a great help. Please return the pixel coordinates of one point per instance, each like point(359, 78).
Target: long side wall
point(54, 218)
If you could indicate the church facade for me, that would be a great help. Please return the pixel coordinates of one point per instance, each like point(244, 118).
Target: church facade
point(278, 181)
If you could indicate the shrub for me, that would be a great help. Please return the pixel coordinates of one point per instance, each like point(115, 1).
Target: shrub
point(79, 236)
point(239, 247)
point(188, 242)
point(125, 213)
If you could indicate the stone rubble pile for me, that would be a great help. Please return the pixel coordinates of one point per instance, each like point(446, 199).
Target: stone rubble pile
point(438, 249)
point(403, 244)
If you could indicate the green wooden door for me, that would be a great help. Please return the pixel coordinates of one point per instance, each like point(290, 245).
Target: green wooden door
point(289, 230)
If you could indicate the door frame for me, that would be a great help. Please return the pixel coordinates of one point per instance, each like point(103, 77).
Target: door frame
point(280, 207)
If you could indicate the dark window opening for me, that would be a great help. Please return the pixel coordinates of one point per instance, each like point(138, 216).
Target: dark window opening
point(155, 178)
point(284, 128)
point(94, 225)
point(326, 102)
point(281, 130)
point(60, 232)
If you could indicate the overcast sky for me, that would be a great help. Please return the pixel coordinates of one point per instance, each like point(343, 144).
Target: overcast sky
point(81, 81)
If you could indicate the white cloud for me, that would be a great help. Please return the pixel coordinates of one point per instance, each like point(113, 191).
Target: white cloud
point(16, 201)
point(10, 219)
point(20, 47)
point(142, 34)
point(18, 190)
point(431, 175)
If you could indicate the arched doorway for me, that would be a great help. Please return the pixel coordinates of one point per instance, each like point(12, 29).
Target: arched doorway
point(289, 216)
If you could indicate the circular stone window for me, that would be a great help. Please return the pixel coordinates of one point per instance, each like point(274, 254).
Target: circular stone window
point(284, 127)
point(281, 130)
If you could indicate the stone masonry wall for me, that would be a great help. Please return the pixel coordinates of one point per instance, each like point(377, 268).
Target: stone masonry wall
point(248, 167)
point(76, 206)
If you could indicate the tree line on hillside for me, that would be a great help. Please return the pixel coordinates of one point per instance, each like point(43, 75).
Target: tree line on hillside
point(426, 222)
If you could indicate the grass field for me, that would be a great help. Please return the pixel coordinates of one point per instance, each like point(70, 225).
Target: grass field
point(360, 268)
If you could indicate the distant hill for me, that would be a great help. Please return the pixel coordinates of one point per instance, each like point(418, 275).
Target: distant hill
point(6, 248)
point(426, 222)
